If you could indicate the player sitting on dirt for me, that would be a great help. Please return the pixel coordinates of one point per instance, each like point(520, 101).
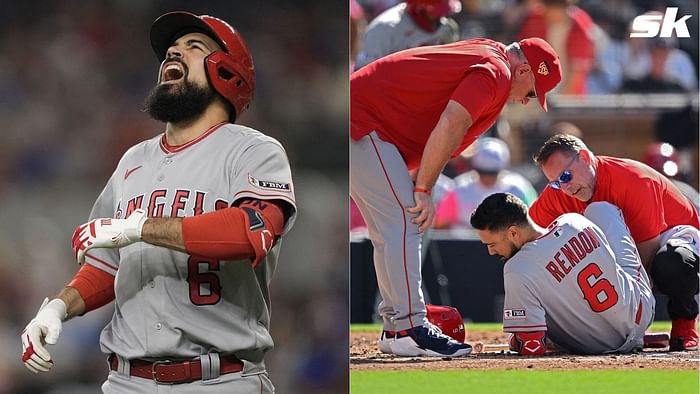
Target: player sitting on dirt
point(579, 282)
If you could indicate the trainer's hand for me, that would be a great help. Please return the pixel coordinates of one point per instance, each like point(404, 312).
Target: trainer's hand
point(424, 209)
point(108, 233)
point(42, 330)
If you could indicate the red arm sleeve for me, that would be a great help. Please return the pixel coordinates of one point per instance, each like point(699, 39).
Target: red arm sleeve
point(96, 287)
point(528, 343)
point(236, 233)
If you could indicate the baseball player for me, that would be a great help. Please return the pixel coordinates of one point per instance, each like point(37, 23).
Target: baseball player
point(185, 235)
point(407, 25)
point(414, 110)
point(578, 283)
point(663, 223)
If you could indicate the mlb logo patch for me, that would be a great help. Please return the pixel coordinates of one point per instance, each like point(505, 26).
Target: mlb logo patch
point(269, 185)
point(514, 314)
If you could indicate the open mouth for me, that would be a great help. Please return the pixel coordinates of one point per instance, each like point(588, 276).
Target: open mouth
point(172, 72)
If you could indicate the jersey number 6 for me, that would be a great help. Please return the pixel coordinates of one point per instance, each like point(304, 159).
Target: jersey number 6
point(207, 281)
point(591, 291)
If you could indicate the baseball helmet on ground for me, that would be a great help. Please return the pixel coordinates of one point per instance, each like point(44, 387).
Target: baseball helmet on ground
point(437, 8)
point(230, 71)
point(448, 319)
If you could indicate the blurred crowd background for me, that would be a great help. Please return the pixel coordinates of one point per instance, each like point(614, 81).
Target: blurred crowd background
point(623, 96)
point(634, 98)
point(73, 77)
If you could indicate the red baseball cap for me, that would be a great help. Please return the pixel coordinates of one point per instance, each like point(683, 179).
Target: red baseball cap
point(545, 66)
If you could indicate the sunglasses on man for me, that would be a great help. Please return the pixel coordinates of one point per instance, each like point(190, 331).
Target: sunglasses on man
point(564, 177)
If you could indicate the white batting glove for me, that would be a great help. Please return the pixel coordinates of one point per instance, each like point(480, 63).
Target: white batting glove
point(108, 233)
point(44, 329)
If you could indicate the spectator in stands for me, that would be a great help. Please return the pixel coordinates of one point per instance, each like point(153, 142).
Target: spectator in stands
point(664, 68)
point(409, 25)
point(645, 65)
point(571, 32)
point(662, 157)
point(483, 19)
point(489, 161)
point(358, 24)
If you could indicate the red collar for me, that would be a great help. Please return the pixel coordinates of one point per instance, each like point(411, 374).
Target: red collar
point(167, 148)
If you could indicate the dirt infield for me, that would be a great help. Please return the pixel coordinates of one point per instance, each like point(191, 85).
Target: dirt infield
point(364, 355)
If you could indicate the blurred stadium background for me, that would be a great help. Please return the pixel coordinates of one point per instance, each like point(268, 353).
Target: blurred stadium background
point(73, 76)
point(633, 94)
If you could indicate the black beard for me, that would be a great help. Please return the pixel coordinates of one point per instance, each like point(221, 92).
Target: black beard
point(174, 103)
point(513, 250)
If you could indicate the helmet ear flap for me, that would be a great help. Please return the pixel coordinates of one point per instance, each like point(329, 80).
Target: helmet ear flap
point(225, 77)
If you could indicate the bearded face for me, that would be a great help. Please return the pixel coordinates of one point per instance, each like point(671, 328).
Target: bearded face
point(175, 98)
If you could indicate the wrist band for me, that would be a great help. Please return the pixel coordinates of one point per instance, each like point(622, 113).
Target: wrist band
point(423, 190)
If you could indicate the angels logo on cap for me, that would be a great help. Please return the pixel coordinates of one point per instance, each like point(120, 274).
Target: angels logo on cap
point(538, 52)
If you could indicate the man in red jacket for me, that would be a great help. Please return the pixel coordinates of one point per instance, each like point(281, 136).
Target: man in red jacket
point(663, 223)
point(414, 110)
point(572, 33)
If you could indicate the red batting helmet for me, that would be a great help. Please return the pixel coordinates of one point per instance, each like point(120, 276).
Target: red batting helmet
point(230, 72)
point(663, 158)
point(437, 8)
point(448, 319)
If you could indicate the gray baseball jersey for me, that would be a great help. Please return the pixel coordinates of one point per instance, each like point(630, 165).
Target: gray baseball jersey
point(168, 303)
point(394, 30)
point(583, 285)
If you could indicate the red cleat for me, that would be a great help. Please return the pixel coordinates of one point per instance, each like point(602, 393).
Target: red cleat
point(684, 335)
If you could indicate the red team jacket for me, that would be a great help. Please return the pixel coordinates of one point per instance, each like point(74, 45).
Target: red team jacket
point(650, 203)
point(402, 96)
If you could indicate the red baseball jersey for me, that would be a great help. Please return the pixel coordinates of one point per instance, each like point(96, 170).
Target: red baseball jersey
point(650, 203)
point(402, 95)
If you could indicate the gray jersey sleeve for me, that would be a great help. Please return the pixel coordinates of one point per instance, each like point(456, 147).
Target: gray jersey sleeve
point(522, 308)
point(106, 259)
point(377, 43)
point(263, 172)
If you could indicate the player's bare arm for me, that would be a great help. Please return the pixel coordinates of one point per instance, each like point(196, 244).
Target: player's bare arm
point(442, 143)
point(75, 305)
point(236, 233)
point(165, 232)
point(647, 251)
